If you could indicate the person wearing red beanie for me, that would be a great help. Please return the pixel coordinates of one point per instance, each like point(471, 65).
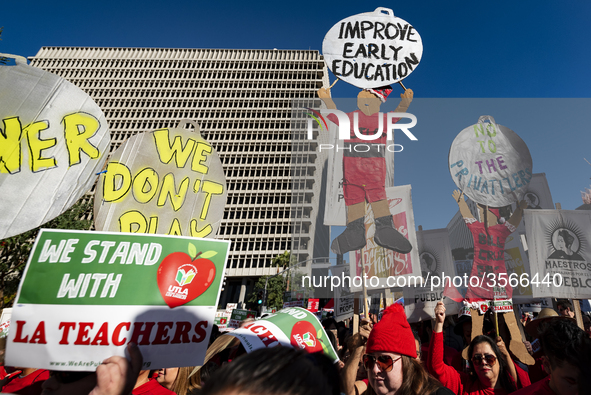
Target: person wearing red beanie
point(390, 359)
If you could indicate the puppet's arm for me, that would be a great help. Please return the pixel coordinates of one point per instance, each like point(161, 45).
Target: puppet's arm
point(324, 94)
point(515, 218)
point(464, 209)
point(406, 97)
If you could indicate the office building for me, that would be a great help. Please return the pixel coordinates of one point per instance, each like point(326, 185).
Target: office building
point(242, 100)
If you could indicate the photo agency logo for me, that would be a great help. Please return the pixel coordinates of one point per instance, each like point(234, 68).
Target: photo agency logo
point(366, 140)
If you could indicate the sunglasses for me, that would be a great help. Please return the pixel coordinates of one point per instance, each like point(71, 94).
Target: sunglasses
point(478, 359)
point(385, 362)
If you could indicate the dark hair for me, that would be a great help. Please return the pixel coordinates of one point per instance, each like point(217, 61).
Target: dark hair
point(327, 322)
point(415, 379)
point(565, 304)
point(584, 380)
point(332, 339)
point(418, 339)
point(567, 237)
point(563, 341)
point(504, 379)
point(276, 370)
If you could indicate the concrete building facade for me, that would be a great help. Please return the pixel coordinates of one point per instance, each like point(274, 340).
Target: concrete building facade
point(242, 100)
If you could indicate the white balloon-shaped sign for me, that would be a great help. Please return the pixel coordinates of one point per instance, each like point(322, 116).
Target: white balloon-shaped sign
point(490, 163)
point(169, 181)
point(54, 139)
point(372, 49)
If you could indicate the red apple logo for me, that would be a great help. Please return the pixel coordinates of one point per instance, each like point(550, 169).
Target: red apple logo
point(182, 278)
point(303, 335)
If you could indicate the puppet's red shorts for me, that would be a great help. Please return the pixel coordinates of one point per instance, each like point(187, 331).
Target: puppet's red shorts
point(364, 179)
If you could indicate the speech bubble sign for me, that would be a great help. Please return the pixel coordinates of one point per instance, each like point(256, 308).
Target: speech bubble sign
point(490, 163)
point(53, 141)
point(169, 181)
point(372, 49)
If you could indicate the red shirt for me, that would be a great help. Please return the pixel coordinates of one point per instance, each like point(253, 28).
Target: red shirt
point(540, 388)
point(152, 387)
point(28, 385)
point(451, 356)
point(459, 382)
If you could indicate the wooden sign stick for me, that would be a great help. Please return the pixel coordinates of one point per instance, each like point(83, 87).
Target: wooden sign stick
point(365, 302)
point(402, 85)
point(356, 314)
point(333, 84)
point(497, 322)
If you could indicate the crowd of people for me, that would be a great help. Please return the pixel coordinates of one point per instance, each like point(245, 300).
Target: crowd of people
point(388, 356)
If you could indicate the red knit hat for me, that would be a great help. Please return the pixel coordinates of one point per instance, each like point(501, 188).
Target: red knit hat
point(392, 334)
point(382, 93)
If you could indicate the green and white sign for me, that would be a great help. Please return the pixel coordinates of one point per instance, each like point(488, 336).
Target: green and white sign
point(240, 315)
point(85, 295)
point(295, 327)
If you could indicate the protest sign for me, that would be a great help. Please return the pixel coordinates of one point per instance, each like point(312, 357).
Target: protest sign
point(560, 257)
point(5, 322)
point(54, 139)
point(169, 181)
point(313, 305)
point(376, 303)
point(85, 295)
point(230, 307)
point(385, 268)
point(490, 163)
point(238, 316)
point(436, 261)
point(343, 298)
point(221, 320)
point(372, 49)
point(295, 327)
point(537, 197)
point(538, 194)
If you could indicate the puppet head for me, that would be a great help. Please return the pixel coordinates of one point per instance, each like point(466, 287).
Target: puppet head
point(369, 100)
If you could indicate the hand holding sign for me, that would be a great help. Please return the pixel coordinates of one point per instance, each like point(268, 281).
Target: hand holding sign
point(372, 49)
point(117, 375)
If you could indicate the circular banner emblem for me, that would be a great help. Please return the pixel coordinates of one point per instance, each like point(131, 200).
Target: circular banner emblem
point(169, 181)
point(53, 141)
point(490, 163)
point(372, 49)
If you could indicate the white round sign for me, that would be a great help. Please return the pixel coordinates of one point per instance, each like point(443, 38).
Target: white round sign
point(372, 49)
point(490, 163)
point(54, 139)
point(169, 181)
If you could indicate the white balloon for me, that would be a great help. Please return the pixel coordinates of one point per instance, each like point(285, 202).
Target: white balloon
point(169, 181)
point(54, 139)
point(372, 49)
point(490, 163)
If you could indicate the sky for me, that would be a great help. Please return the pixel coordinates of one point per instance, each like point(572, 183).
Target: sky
point(474, 54)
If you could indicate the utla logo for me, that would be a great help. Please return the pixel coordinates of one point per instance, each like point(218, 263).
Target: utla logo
point(184, 277)
point(308, 339)
point(302, 336)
